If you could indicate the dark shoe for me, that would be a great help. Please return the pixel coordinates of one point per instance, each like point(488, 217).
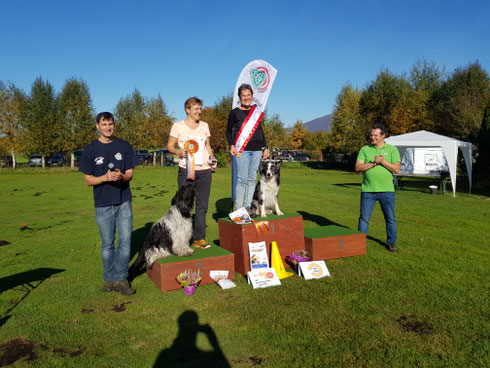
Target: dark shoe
point(123, 287)
point(392, 247)
point(108, 286)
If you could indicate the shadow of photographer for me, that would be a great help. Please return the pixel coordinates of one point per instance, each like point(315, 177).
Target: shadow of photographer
point(24, 282)
point(184, 351)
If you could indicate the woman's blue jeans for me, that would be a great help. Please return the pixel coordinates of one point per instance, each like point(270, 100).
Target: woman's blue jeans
point(247, 167)
point(115, 262)
point(387, 203)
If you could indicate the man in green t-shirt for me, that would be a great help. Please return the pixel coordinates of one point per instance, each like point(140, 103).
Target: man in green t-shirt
point(377, 162)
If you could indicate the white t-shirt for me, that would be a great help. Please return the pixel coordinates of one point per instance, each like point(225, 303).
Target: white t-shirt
point(180, 130)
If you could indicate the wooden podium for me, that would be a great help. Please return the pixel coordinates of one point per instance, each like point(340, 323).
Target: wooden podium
point(164, 271)
point(329, 242)
point(286, 231)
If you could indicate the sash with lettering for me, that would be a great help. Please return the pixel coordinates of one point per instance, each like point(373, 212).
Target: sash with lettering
point(260, 75)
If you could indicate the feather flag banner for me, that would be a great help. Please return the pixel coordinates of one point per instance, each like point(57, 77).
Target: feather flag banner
point(260, 75)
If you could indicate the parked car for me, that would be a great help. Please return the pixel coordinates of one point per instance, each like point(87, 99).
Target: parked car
point(168, 158)
point(6, 161)
point(78, 156)
point(35, 160)
point(56, 159)
point(141, 157)
point(293, 155)
point(275, 153)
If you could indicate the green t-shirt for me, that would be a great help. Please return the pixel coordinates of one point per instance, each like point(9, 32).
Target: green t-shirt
point(378, 178)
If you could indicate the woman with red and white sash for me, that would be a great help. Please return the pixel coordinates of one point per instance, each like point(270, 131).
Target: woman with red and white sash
point(248, 161)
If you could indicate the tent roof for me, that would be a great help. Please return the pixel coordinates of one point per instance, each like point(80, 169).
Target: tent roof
point(423, 138)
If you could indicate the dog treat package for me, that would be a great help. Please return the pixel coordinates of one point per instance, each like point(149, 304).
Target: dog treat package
point(221, 278)
point(240, 216)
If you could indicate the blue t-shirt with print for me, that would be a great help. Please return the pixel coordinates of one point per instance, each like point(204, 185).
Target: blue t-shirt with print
point(95, 161)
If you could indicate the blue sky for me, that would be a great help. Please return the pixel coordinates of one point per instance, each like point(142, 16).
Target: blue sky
point(185, 48)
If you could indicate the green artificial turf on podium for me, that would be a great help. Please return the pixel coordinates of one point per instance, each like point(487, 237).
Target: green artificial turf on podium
point(199, 253)
point(270, 217)
point(328, 231)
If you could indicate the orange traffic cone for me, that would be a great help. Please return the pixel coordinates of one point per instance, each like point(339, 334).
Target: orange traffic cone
point(277, 264)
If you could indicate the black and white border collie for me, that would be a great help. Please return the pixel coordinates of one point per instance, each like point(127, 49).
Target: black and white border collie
point(169, 235)
point(267, 190)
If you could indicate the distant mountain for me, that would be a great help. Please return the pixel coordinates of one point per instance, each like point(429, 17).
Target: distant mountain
point(318, 124)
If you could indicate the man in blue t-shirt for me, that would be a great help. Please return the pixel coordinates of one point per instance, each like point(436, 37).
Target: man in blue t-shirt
point(108, 166)
point(377, 162)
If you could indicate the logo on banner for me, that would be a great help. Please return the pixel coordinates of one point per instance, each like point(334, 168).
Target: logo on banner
point(260, 78)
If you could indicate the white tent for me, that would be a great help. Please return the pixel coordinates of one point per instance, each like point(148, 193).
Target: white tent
point(450, 146)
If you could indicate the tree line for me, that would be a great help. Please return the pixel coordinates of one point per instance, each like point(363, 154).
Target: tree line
point(44, 121)
point(426, 97)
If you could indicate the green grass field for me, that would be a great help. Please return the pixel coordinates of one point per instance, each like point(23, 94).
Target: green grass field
point(425, 306)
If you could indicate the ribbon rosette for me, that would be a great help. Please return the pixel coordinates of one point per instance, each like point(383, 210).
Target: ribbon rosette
point(261, 226)
point(191, 147)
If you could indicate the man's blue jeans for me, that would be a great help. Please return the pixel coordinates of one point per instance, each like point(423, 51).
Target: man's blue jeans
point(115, 262)
point(247, 167)
point(387, 202)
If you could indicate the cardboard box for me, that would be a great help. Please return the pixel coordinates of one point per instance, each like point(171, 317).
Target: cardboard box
point(286, 231)
point(329, 242)
point(164, 271)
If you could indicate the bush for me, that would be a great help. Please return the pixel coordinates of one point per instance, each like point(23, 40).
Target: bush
point(223, 158)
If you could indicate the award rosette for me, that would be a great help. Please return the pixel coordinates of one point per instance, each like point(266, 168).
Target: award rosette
point(191, 147)
point(261, 226)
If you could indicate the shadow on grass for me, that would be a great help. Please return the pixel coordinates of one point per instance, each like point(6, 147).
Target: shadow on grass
point(349, 185)
point(376, 240)
point(184, 351)
point(323, 165)
point(24, 282)
point(223, 207)
point(322, 221)
point(481, 189)
point(319, 220)
point(421, 184)
point(138, 238)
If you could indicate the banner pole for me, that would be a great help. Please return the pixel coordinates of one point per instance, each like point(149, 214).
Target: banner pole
point(233, 180)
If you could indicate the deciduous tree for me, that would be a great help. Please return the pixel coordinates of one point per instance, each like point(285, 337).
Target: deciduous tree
point(316, 141)
point(157, 123)
point(386, 101)
point(130, 119)
point(43, 128)
point(460, 102)
point(298, 135)
point(482, 165)
point(77, 115)
point(217, 118)
point(274, 131)
point(347, 133)
point(12, 112)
